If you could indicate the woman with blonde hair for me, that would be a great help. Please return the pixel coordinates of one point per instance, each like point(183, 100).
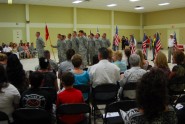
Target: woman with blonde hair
point(143, 63)
point(117, 57)
point(110, 54)
point(161, 62)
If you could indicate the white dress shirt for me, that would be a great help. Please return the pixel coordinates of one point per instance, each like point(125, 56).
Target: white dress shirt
point(170, 42)
point(104, 72)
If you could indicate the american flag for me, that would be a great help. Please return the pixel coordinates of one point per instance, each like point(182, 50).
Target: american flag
point(117, 39)
point(158, 44)
point(144, 44)
point(175, 40)
point(132, 45)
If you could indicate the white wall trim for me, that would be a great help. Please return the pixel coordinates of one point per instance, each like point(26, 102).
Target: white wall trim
point(74, 19)
point(12, 25)
point(112, 24)
point(27, 24)
point(51, 25)
point(128, 27)
point(93, 26)
point(168, 26)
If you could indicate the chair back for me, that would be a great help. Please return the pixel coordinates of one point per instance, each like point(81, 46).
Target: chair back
point(52, 92)
point(4, 118)
point(130, 86)
point(180, 112)
point(82, 88)
point(105, 92)
point(74, 109)
point(31, 116)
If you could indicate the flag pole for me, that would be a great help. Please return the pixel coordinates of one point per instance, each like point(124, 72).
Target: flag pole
point(52, 49)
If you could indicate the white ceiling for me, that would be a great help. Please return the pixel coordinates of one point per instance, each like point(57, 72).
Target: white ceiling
point(122, 5)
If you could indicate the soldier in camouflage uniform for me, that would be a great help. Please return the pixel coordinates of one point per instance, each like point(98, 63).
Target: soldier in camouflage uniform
point(40, 45)
point(61, 47)
point(83, 48)
point(75, 42)
point(91, 47)
point(98, 43)
point(105, 42)
point(69, 42)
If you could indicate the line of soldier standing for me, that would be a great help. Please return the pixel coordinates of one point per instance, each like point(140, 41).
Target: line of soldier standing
point(87, 47)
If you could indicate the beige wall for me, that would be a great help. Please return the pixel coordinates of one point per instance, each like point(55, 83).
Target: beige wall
point(163, 21)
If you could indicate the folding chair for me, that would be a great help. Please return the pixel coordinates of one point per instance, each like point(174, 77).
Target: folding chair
point(52, 92)
point(74, 109)
point(85, 89)
point(31, 116)
point(115, 107)
point(128, 86)
point(103, 95)
point(4, 118)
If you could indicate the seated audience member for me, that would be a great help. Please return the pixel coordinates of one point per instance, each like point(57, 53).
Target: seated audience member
point(32, 50)
point(152, 101)
point(14, 49)
point(7, 49)
point(177, 76)
point(16, 73)
point(50, 79)
point(36, 97)
point(104, 72)
point(127, 55)
point(3, 60)
point(161, 62)
point(9, 95)
point(53, 65)
point(21, 51)
point(143, 63)
point(66, 65)
point(81, 76)
point(133, 74)
point(110, 54)
point(26, 50)
point(117, 57)
point(68, 96)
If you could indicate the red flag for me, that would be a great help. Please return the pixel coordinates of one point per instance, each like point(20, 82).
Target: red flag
point(46, 33)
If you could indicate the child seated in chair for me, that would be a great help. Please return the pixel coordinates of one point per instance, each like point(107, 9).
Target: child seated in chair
point(68, 96)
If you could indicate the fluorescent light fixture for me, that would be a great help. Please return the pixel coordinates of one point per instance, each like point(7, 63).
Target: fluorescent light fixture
point(139, 7)
point(9, 1)
point(77, 1)
point(163, 4)
point(112, 5)
point(133, 0)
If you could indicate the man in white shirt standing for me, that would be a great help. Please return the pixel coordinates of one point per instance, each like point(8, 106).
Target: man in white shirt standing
point(170, 47)
point(104, 72)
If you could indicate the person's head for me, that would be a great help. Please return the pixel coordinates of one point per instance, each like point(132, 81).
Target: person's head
point(151, 93)
point(43, 63)
point(3, 58)
point(110, 54)
point(127, 52)
point(37, 34)
point(58, 36)
point(81, 33)
point(74, 33)
point(97, 35)
point(69, 36)
point(91, 35)
point(178, 57)
point(95, 59)
point(134, 60)
point(171, 36)
point(47, 54)
point(139, 52)
point(68, 79)
point(117, 56)
point(3, 77)
point(13, 61)
point(161, 60)
point(36, 79)
point(104, 35)
point(103, 53)
point(123, 37)
point(77, 60)
point(32, 44)
point(69, 54)
point(154, 35)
